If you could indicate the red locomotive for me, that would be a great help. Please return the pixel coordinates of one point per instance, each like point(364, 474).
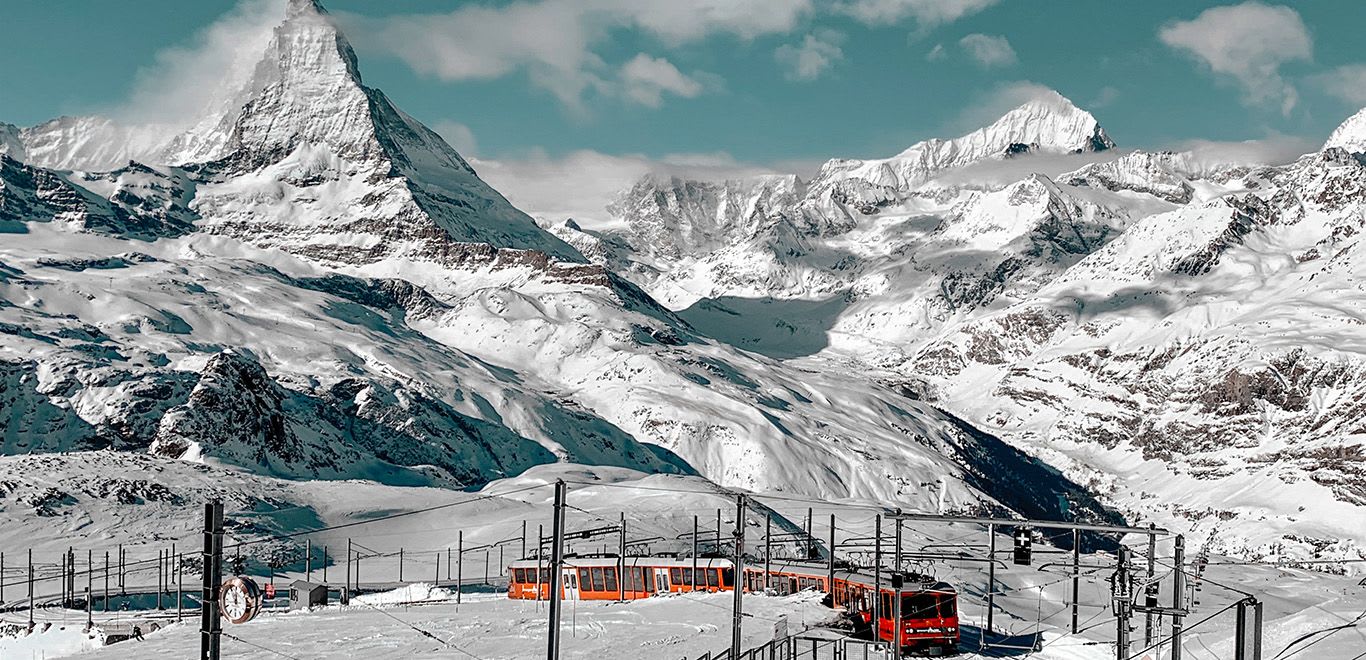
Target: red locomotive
point(928, 608)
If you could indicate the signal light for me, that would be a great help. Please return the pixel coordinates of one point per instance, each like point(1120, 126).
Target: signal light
point(1024, 546)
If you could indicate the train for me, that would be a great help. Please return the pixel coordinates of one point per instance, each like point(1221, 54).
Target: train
point(929, 607)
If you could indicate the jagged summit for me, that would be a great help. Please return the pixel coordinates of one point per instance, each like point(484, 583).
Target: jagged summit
point(1049, 123)
point(298, 8)
point(299, 154)
point(1350, 136)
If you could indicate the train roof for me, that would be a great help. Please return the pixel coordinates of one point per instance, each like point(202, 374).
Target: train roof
point(651, 562)
point(914, 582)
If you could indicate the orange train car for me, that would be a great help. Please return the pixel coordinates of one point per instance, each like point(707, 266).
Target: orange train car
point(929, 608)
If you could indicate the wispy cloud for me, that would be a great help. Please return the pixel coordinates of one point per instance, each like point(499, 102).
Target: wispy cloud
point(926, 13)
point(813, 56)
point(988, 51)
point(1247, 43)
point(1345, 82)
point(193, 79)
point(556, 42)
point(646, 79)
point(580, 184)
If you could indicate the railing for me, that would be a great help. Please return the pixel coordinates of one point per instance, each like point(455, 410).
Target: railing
point(806, 647)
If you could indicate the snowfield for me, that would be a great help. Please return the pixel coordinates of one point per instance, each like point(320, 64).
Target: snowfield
point(309, 306)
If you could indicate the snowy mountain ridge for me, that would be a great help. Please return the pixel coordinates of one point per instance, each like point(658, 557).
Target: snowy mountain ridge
point(1097, 309)
point(335, 294)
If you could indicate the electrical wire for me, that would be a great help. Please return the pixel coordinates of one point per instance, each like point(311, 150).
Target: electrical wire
point(258, 646)
point(420, 631)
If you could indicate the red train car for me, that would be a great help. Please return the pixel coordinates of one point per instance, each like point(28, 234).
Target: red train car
point(600, 578)
point(928, 607)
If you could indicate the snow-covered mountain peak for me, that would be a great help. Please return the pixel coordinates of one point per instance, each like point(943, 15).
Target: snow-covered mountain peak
point(299, 8)
point(1350, 135)
point(1049, 123)
point(1046, 124)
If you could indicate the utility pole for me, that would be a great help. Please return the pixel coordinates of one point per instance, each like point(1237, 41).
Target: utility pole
point(830, 567)
point(808, 543)
point(121, 558)
point(556, 566)
point(738, 612)
point(210, 625)
point(30, 589)
point(692, 577)
point(877, 573)
point(161, 577)
point(89, 579)
point(718, 531)
point(523, 540)
point(1150, 591)
point(308, 560)
point(459, 565)
point(621, 562)
point(1120, 595)
point(991, 581)
point(400, 565)
point(1178, 594)
point(179, 587)
point(1076, 576)
point(348, 568)
point(324, 564)
point(106, 580)
point(768, 547)
point(896, 561)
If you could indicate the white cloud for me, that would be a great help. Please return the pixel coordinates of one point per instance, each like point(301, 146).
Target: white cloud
point(1275, 149)
point(1345, 82)
point(1249, 43)
point(645, 79)
point(580, 184)
point(459, 136)
point(927, 13)
point(817, 53)
point(555, 41)
point(192, 80)
point(1003, 98)
point(937, 53)
point(1104, 97)
point(988, 51)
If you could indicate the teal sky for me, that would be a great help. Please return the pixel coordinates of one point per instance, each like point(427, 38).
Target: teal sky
point(881, 90)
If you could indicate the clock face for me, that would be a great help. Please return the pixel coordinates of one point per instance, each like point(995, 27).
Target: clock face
point(239, 599)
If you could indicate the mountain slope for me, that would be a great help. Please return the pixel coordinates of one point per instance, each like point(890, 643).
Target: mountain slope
point(1182, 335)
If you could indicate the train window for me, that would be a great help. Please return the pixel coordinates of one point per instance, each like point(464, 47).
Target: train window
point(597, 580)
point(688, 577)
point(947, 606)
point(728, 577)
point(574, 580)
point(676, 576)
point(611, 578)
point(545, 576)
point(918, 606)
point(886, 604)
point(711, 577)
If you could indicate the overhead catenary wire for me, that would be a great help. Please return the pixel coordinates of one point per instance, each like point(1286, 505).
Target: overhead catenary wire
point(258, 646)
point(420, 631)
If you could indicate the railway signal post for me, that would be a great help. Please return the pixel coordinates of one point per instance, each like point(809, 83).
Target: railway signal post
point(210, 626)
point(556, 568)
point(738, 575)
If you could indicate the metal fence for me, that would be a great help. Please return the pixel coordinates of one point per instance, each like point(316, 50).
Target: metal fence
point(810, 647)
